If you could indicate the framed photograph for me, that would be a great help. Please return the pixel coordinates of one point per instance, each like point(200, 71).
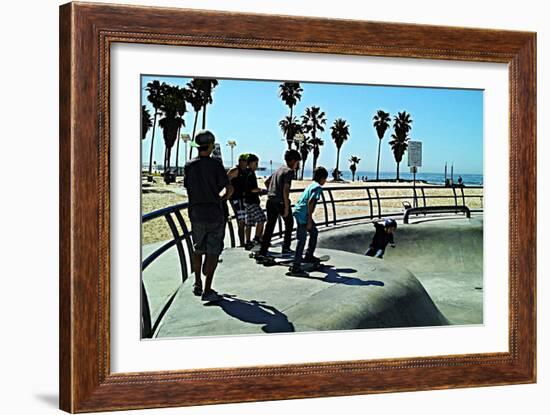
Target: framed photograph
point(314, 207)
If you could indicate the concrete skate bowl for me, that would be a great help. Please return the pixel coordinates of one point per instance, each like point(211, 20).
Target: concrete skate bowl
point(432, 278)
point(445, 255)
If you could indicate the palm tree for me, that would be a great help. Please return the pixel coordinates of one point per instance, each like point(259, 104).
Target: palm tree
point(146, 122)
point(171, 107)
point(207, 87)
point(305, 148)
point(156, 92)
point(195, 97)
point(181, 98)
point(290, 93)
point(316, 144)
point(401, 126)
point(312, 121)
point(290, 127)
point(381, 123)
point(339, 133)
point(354, 160)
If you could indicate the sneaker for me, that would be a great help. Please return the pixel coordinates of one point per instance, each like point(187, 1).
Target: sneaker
point(265, 260)
point(249, 246)
point(297, 271)
point(312, 259)
point(211, 296)
point(287, 251)
point(197, 289)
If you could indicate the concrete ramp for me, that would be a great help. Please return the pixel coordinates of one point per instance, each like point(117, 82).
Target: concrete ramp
point(446, 255)
point(355, 292)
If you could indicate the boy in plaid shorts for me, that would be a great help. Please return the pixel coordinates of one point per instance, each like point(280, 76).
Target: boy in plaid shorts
point(237, 176)
point(254, 215)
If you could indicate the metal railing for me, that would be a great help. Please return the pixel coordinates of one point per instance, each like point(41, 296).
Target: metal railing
point(181, 238)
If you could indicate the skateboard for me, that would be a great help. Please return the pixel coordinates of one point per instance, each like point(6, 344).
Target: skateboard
point(305, 267)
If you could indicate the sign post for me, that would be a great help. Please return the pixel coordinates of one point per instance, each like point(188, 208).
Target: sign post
point(185, 137)
point(414, 162)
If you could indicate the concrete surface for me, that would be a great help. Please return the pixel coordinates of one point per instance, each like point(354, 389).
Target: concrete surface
point(434, 276)
point(446, 255)
point(356, 292)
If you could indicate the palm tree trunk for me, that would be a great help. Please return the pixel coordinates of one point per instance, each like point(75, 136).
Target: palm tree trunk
point(152, 142)
point(378, 162)
point(178, 150)
point(193, 138)
point(204, 117)
point(164, 164)
point(397, 178)
point(338, 163)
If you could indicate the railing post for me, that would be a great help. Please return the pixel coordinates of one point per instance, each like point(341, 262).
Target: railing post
point(179, 246)
point(146, 325)
point(325, 207)
point(456, 199)
point(186, 236)
point(423, 196)
point(378, 202)
point(463, 198)
point(231, 232)
point(415, 198)
point(333, 206)
point(370, 204)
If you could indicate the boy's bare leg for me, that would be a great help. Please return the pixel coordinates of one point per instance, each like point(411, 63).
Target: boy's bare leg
point(259, 231)
point(248, 231)
point(240, 231)
point(211, 264)
point(197, 268)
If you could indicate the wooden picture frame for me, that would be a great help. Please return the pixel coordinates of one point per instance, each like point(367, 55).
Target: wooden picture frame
point(86, 33)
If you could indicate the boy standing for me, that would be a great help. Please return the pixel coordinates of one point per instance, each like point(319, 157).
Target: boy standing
point(254, 214)
point(303, 211)
point(382, 237)
point(237, 176)
point(205, 180)
point(278, 203)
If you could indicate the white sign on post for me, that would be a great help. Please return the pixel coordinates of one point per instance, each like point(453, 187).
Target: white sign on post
point(217, 153)
point(415, 153)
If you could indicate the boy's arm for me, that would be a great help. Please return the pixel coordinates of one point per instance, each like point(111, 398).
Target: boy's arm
point(232, 173)
point(310, 209)
point(267, 181)
point(286, 199)
point(390, 239)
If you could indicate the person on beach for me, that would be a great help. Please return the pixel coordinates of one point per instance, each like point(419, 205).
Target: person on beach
point(254, 215)
point(382, 237)
point(237, 176)
point(207, 187)
point(278, 203)
point(303, 211)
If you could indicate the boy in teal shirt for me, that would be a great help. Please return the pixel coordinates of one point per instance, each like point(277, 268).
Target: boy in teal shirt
point(303, 211)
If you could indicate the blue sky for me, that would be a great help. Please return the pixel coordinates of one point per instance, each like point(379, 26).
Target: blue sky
point(449, 122)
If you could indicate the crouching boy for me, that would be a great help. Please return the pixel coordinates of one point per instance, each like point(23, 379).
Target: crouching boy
point(382, 237)
point(303, 211)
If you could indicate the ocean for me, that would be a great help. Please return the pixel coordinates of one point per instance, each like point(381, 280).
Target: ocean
point(433, 178)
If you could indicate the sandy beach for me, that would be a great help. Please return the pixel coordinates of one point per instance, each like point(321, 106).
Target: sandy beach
point(159, 195)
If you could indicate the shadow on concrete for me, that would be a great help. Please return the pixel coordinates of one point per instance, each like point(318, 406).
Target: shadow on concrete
point(333, 276)
point(255, 312)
